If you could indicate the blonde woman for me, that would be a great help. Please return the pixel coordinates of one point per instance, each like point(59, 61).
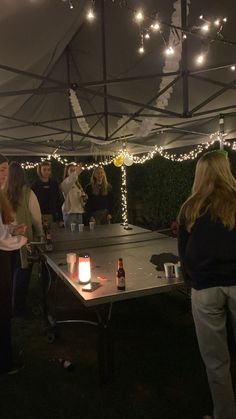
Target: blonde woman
point(207, 249)
point(27, 211)
point(11, 238)
point(100, 198)
point(75, 197)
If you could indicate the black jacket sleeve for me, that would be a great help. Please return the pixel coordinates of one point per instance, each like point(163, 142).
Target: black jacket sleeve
point(183, 237)
point(58, 201)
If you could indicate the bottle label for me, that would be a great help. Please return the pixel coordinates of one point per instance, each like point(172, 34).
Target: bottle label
point(120, 282)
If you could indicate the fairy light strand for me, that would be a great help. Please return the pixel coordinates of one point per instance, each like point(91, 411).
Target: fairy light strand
point(124, 205)
point(192, 155)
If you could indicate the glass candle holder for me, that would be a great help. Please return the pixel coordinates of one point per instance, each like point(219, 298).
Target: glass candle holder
point(84, 269)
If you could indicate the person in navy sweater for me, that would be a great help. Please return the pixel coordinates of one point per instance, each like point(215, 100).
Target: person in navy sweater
point(49, 195)
point(207, 250)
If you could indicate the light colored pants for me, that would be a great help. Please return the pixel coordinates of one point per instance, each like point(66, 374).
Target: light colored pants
point(72, 218)
point(209, 307)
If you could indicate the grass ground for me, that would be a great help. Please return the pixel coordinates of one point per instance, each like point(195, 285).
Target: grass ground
point(158, 370)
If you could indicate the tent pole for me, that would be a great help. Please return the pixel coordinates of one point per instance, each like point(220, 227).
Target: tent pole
point(69, 104)
point(104, 66)
point(184, 23)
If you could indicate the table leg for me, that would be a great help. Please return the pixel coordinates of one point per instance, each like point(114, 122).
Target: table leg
point(105, 343)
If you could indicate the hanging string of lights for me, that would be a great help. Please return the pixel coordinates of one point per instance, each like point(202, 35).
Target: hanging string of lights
point(55, 156)
point(124, 206)
point(70, 3)
point(150, 24)
point(124, 158)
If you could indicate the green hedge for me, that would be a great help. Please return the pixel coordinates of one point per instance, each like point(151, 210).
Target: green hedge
point(157, 189)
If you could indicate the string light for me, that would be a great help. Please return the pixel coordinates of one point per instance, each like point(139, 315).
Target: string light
point(155, 26)
point(70, 3)
point(139, 16)
point(169, 51)
point(217, 136)
point(90, 15)
point(215, 25)
point(124, 206)
point(205, 27)
point(217, 22)
point(200, 59)
point(141, 48)
point(232, 67)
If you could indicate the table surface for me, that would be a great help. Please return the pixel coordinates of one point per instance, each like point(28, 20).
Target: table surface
point(105, 245)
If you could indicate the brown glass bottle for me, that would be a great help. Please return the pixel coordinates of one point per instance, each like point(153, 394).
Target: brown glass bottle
point(120, 276)
point(48, 237)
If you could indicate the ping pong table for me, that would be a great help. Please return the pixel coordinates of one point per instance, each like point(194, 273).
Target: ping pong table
point(105, 245)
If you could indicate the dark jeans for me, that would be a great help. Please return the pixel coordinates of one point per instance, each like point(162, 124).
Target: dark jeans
point(5, 311)
point(100, 216)
point(21, 279)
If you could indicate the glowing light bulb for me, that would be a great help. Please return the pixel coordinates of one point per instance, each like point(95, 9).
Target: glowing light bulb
point(141, 50)
point(139, 16)
point(205, 28)
point(217, 22)
point(155, 26)
point(90, 15)
point(147, 36)
point(225, 19)
point(169, 51)
point(71, 4)
point(232, 67)
point(184, 36)
point(201, 17)
point(200, 59)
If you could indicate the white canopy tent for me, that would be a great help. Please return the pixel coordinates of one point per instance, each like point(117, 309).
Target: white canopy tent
point(81, 87)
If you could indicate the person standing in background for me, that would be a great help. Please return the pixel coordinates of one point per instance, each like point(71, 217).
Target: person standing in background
point(100, 197)
point(11, 238)
point(49, 195)
point(75, 197)
point(26, 211)
point(207, 250)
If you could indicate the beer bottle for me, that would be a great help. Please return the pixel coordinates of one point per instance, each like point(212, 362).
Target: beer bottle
point(120, 276)
point(48, 237)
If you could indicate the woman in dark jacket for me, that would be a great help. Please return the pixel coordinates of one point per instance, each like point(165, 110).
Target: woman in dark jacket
point(100, 198)
point(207, 249)
point(49, 195)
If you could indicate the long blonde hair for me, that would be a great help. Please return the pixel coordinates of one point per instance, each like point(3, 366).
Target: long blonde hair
point(105, 186)
point(214, 190)
point(5, 209)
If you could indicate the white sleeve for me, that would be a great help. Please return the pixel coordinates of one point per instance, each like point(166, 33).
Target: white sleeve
point(68, 182)
point(35, 212)
point(9, 242)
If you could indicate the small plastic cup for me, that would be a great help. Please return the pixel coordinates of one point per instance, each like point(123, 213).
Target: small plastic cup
point(73, 227)
point(81, 227)
point(178, 270)
point(71, 262)
point(91, 225)
point(169, 270)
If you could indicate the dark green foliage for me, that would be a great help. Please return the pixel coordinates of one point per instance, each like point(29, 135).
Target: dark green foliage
point(157, 189)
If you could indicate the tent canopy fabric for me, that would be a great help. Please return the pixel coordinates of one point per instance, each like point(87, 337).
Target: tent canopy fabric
point(82, 88)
